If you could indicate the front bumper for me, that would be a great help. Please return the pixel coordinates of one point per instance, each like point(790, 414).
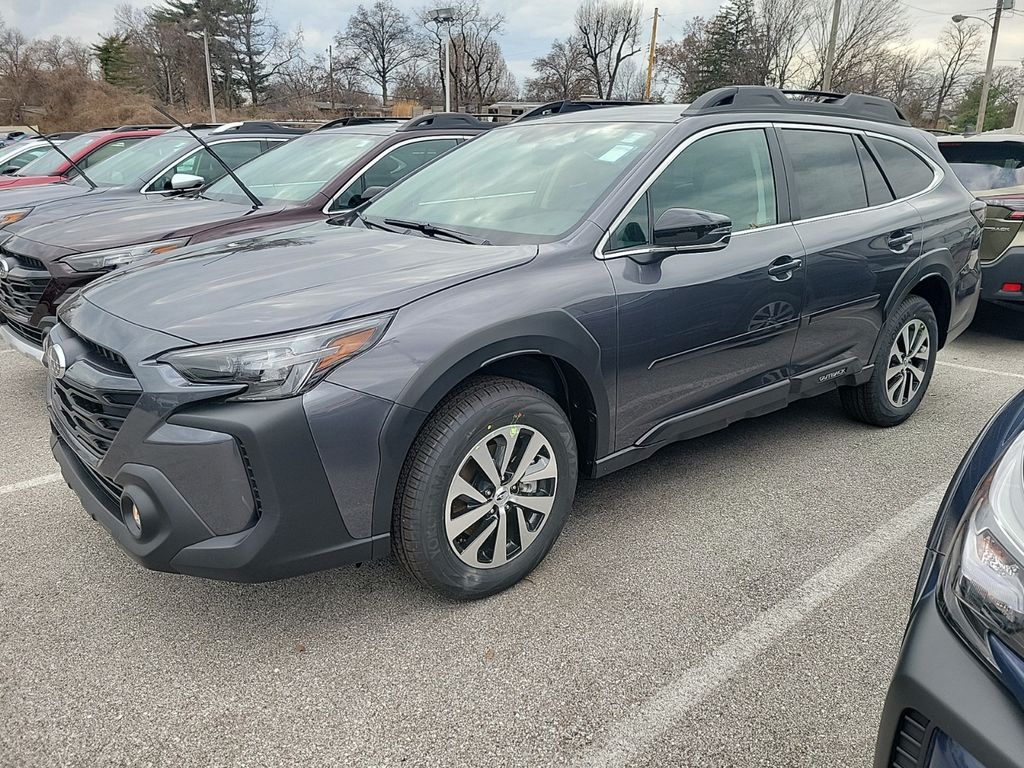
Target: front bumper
point(943, 697)
point(18, 344)
point(232, 491)
point(1008, 268)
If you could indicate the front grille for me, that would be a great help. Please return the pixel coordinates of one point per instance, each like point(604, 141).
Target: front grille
point(29, 263)
point(27, 332)
point(109, 355)
point(910, 747)
point(94, 417)
point(22, 289)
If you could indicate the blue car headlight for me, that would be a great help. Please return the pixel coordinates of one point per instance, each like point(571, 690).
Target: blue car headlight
point(983, 590)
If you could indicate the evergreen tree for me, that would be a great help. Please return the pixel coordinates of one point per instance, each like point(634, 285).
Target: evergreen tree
point(114, 56)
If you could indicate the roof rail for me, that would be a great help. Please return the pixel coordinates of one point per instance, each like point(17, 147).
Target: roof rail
point(443, 121)
point(258, 126)
point(121, 128)
point(758, 98)
point(566, 106)
point(349, 121)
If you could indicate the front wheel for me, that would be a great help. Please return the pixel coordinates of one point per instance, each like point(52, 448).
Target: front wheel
point(486, 488)
point(903, 367)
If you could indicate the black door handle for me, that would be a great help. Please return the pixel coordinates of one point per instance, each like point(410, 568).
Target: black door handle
point(900, 241)
point(783, 267)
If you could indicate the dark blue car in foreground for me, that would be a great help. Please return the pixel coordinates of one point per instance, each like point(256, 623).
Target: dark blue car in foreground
point(957, 697)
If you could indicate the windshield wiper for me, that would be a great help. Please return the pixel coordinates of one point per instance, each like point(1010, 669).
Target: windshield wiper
point(433, 230)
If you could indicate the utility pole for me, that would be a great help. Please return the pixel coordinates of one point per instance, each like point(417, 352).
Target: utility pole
point(330, 74)
point(209, 76)
point(830, 54)
point(987, 82)
point(650, 59)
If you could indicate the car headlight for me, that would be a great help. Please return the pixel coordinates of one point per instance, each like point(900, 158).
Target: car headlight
point(96, 261)
point(275, 367)
point(9, 217)
point(984, 586)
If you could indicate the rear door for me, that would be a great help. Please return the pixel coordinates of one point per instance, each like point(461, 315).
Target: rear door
point(859, 236)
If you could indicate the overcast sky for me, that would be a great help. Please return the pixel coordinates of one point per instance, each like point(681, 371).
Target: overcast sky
point(532, 24)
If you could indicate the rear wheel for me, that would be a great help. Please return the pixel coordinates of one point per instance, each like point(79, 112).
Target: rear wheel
point(486, 488)
point(903, 367)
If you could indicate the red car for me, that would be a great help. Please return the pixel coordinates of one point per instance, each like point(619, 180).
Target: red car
point(85, 149)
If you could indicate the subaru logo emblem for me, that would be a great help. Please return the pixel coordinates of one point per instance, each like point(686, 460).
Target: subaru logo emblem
point(55, 361)
point(5, 268)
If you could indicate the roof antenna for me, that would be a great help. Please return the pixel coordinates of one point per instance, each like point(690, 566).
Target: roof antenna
point(256, 202)
point(59, 151)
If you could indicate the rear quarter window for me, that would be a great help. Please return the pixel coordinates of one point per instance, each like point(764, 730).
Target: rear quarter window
point(907, 173)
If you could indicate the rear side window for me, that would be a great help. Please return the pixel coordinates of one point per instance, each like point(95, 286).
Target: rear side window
point(878, 188)
point(907, 173)
point(827, 172)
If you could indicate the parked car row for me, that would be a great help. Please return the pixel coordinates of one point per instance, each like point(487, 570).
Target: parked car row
point(415, 338)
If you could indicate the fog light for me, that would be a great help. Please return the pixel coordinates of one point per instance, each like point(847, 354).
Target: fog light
point(1013, 287)
point(132, 517)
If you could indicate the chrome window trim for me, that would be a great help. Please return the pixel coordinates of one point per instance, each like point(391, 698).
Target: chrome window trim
point(378, 158)
point(937, 177)
point(145, 191)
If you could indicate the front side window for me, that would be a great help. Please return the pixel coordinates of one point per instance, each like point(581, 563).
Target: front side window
point(22, 159)
point(395, 165)
point(525, 183)
point(297, 171)
point(201, 163)
point(728, 173)
point(827, 175)
point(907, 172)
point(983, 166)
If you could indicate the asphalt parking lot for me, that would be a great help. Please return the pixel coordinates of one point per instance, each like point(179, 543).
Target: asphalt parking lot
point(737, 600)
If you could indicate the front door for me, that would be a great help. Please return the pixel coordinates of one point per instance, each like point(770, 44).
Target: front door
point(700, 330)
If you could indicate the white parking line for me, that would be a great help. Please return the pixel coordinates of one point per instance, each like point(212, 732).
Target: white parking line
point(637, 733)
point(980, 370)
point(31, 483)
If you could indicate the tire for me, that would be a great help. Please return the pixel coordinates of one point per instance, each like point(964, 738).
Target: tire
point(430, 507)
point(871, 402)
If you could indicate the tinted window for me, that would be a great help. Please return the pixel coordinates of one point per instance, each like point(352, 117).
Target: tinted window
point(202, 163)
point(827, 176)
point(728, 173)
point(908, 174)
point(986, 165)
point(395, 165)
point(878, 189)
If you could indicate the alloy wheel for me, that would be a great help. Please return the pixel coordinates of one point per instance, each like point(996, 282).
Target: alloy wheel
point(501, 496)
point(908, 363)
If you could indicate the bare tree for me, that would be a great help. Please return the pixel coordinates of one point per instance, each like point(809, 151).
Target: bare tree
point(958, 50)
point(609, 31)
point(783, 31)
point(380, 41)
point(868, 29)
point(562, 73)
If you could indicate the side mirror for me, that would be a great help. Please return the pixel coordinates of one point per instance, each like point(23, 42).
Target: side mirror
point(8, 170)
point(183, 181)
point(369, 193)
point(686, 229)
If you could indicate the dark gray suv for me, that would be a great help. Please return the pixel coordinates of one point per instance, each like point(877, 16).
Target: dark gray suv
point(556, 297)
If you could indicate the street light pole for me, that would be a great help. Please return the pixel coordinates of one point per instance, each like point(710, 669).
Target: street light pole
point(986, 83)
point(439, 17)
point(209, 76)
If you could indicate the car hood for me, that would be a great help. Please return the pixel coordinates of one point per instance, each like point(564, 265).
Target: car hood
point(290, 279)
point(11, 182)
point(13, 198)
point(96, 222)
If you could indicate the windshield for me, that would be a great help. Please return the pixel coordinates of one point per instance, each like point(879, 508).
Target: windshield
point(560, 171)
point(983, 166)
point(137, 160)
point(52, 162)
point(297, 171)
